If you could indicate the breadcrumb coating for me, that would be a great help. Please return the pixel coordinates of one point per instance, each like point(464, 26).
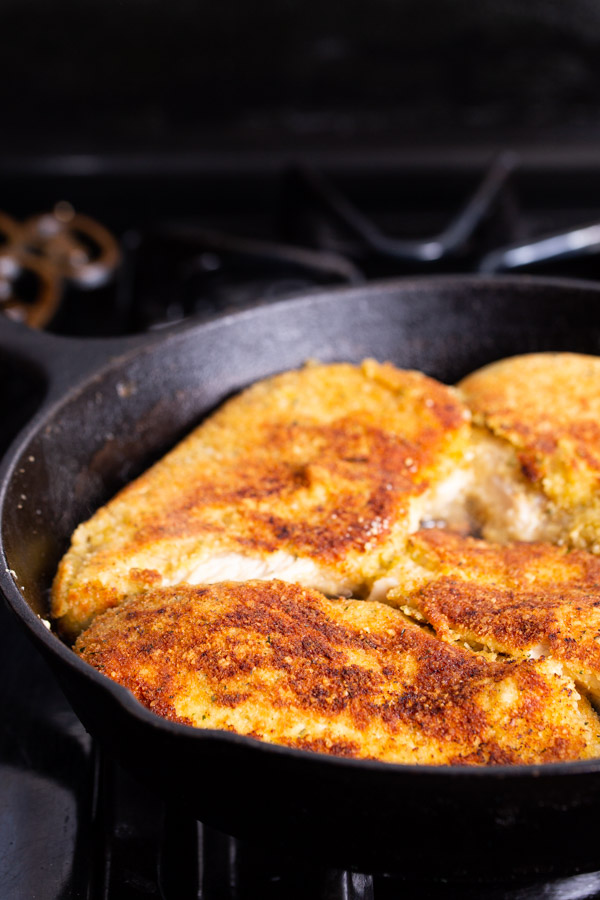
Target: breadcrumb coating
point(524, 600)
point(284, 664)
point(314, 475)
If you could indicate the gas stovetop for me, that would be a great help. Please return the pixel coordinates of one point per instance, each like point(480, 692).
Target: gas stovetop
point(72, 823)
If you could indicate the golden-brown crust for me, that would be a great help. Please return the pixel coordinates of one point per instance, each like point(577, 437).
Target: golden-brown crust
point(547, 407)
point(518, 564)
point(320, 464)
point(283, 664)
point(519, 599)
point(331, 465)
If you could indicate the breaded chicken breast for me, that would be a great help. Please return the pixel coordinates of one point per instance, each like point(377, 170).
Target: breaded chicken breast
point(316, 476)
point(284, 664)
point(525, 600)
point(538, 419)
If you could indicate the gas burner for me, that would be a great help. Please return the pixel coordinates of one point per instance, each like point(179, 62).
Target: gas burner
point(316, 236)
point(71, 823)
point(151, 850)
point(184, 270)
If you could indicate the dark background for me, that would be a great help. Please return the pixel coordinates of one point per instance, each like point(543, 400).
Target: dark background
point(150, 77)
point(141, 112)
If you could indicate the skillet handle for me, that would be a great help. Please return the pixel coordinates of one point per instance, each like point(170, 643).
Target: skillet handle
point(60, 361)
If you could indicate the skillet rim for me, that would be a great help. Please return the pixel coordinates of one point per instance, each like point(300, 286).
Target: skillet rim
point(128, 348)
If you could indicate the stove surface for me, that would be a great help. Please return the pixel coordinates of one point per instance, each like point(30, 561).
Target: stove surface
point(72, 824)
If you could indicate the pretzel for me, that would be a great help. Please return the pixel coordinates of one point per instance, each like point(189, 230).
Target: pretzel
point(54, 248)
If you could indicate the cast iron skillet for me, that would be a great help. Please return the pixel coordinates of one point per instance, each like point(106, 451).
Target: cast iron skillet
point(114, 406)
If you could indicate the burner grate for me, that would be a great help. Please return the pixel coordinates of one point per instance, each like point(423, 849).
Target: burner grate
point(325, 206)
point(146, 850)
point(72, 825)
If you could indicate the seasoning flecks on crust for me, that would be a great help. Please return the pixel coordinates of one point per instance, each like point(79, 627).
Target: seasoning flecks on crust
point(315, 476)
point(284, 664)
point(322, 478)
point(526, 600)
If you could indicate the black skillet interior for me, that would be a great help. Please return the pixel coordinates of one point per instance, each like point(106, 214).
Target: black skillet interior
point(105, 430)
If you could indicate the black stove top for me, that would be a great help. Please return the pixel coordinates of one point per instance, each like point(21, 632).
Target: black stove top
point(202, 242)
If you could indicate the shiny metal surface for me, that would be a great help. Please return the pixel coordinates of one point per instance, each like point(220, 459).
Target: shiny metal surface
point(572, 243)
